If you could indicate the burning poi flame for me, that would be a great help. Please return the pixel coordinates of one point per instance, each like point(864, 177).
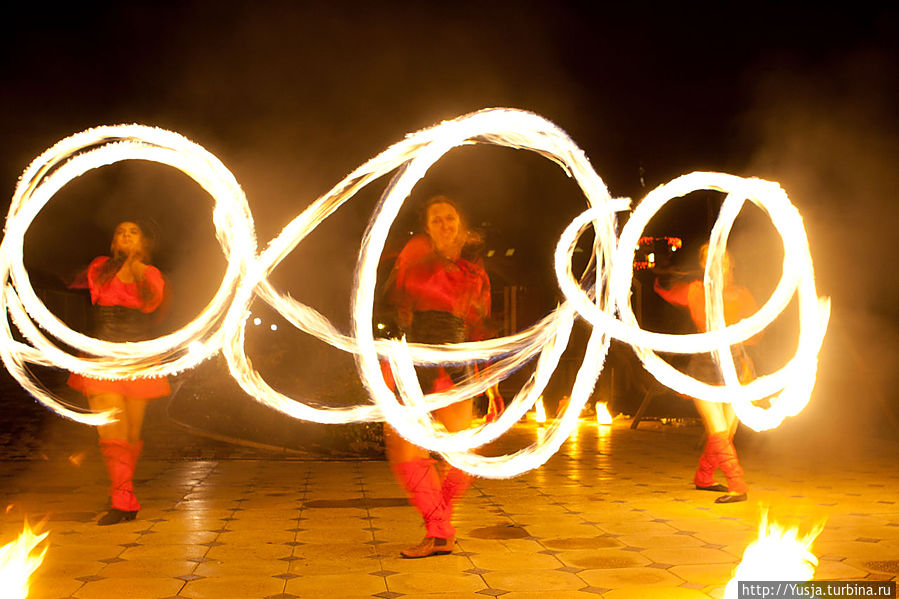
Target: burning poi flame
point(18, 562)
point(602, 414)
point(779, 553)
point(220, 326)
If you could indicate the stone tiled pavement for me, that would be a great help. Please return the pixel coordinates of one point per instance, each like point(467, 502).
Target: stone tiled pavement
point(612, 515)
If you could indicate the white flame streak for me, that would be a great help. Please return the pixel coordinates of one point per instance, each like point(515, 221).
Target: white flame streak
point(165, 355)
point(222, 325)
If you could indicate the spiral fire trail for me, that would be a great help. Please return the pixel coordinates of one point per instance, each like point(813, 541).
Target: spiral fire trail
point(220, 326)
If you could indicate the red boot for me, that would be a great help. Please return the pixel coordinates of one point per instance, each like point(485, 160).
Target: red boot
point(120, 458)
point(704, 479)
point(730, 465)
point(419, 479)
point(455, 483)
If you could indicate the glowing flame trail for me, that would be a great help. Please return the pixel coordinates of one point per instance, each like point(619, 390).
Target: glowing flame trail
point(17, 563)
point(606, 305)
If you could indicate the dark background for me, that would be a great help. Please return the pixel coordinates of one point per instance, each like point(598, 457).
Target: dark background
point(293, 96)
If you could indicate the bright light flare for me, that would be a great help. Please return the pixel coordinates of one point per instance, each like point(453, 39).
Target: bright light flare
point(221, 325)
point(778, 554)
point(540, 412)
point(602, 414)
point(18, 562)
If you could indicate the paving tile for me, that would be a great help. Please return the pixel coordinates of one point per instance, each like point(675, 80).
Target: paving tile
point(640, 592)
point(330, 585)
point(630, 577)
point(637, 527)
point(726, 537)
point(586, 542)
point(82, 552)
point(499, 560)
point(533, 580)
point(156, 551)
point(444, 563)
point(557, 594)
point(851, 549)
point(658, 541)
point(838, 570)
point(137, 588)
point(50, 587)
point(602, 559)
point(241, 551)
point(241, 567)
point(232, 586)
point(705, 574)
point(434, 582)
point(149, 568)
point(688, 555)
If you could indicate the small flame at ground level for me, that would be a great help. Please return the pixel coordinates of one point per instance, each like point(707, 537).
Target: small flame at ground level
point(602, 414)
point(779, 553)
point(540, 411)
point(17, 563)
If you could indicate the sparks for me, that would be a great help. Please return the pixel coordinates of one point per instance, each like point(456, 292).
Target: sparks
point(77, 458)
point(221, 326)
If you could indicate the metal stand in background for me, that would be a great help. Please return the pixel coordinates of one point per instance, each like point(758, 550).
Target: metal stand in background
point(653, 388)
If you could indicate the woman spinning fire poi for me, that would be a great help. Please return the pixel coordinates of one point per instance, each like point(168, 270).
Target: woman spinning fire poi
point(719, 418)
point(439, 297)
point(124, 290)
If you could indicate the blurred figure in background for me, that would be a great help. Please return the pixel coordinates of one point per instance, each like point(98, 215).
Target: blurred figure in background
point(719, 418)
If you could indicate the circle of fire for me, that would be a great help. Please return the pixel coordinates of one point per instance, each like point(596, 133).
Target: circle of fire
point(605, 304)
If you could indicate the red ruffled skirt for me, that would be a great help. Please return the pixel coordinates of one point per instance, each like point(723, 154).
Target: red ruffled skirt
point(145, 388)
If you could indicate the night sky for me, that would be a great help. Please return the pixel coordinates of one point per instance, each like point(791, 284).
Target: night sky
point(293, 96)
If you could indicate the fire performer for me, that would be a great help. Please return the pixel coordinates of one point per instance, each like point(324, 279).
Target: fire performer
point(441, 294)
point(719, 418)
point(125, 292)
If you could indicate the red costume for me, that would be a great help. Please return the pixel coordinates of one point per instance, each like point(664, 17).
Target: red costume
point(437, 301)
point(426, 282)
point(111, 326)
point(719, 451)
point(121, 313)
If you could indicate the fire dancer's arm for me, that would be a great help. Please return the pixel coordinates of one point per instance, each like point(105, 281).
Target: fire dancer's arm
point(676, 295)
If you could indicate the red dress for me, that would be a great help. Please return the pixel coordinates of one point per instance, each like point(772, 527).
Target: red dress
point(438, 301)
point(116, 292)
point(738, 303)
point(426, 282)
